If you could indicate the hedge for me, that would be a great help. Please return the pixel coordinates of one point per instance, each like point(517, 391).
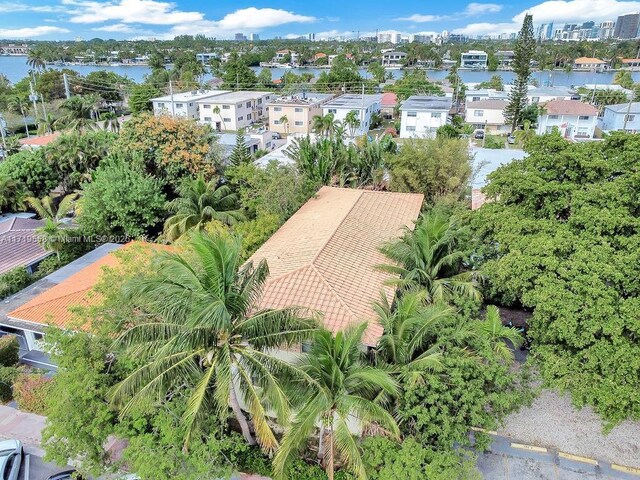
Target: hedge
point(30, 392)
point(9, 348)
point(7, 376)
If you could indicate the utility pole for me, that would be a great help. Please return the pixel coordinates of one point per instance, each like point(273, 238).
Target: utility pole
point(3, 125)
point(67, 91)
point(626, 117)
point(173, 107)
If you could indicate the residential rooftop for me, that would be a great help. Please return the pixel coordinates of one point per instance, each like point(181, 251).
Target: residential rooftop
point(353, 101)
point(588, 60)
point(235, 97)
point(324, 257)
point(39, 141)
point(489, 104)
point(302, 98)
point(192, 96)
point(550, 91)
point(426, 103)
point(569, 107)
point(19, 243)
point(624, 108)
point(486, 92)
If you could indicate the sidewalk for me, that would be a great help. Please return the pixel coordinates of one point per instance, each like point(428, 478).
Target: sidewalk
point(26, 427)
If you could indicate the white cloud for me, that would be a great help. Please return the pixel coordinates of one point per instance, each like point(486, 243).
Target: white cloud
point(118, 28)
point(419, 18)
point(482, 8)
point(30, 32)
point(557, 11)
point(129, 11)
point(257, 18)
point(21, 7)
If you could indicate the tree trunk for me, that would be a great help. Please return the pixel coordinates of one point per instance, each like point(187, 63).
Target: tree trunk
point(330, 466)
point(244, 425)
point(321, 443)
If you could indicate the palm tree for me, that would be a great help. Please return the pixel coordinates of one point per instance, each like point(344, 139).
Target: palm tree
point(285, 121)
point(200, 202)
point(216, 110)
point(497, 334)
point(20, 104)
point(427, 258)
point(79, 113)
point(323, 125)
point(111, 123)
point(35, 60)
point(352, 121)
point(207, 334)
point(46, 207)
point(46, 124)
point(525, 135)
point(339, 130)
point(343, 390)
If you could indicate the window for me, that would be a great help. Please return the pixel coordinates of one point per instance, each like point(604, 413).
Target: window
point(553, 117)
point(412, 114)
point(583, 132)
point(630, 118)
point(179, 105)
point(191, 104)
point(549, 129)
point(248, 116)
point(207, 106)
point(535, 99)
point(276, 122)
point(583, 117)
point(277, 109)
point(298, 123)
point(240, 118)
point(260, 101)
point(298, 110)
point(226, 107)
point(226, 119)
point(478, 113)
point(248, 104)
point(207, 119)
point(160, 105)
point(411, 128)
point(435, 115)
point(475, 99)
point(332, 110)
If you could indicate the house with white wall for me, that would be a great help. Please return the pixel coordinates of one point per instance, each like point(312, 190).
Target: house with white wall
point(422, 115)
point(487, 115)
point(234, 110)
point(590, 64)
point(485, 94)
point(364, 106)
point(393, 58)
point(546, 94)
point(614, 116)
point(574, 119)
point(183, 105)
point(474, 60)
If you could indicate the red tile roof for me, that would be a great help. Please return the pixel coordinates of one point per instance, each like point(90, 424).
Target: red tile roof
point(569, 107)
point(389, 100)
point(52, 307)
point(40, 141)
point(324, 256)
point(19, 243)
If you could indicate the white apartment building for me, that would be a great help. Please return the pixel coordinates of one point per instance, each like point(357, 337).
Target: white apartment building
point(422, 115)
point(573, 118)
point(614, 116)
point(183, 104)
point(393, 58)
point(234, 110)
point(363, 105)
point(546, 94)
point(474, 59)
point(485, 94)
point(487, 115)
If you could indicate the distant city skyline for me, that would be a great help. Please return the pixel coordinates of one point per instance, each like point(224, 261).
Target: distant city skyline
point(131, 19)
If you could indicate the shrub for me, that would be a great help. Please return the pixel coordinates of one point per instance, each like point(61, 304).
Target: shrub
point(7, 377)
point(13, 281)
point(9, 348)
point(494, 142)
point(30, 391)
point(32, 170)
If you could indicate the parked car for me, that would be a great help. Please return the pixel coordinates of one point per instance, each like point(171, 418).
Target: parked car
point(511, 139)
point(479, 134)
point(70, 474)
point(11, 453)
point(276, 136)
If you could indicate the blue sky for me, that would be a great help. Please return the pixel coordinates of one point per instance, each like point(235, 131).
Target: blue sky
point(68, 19)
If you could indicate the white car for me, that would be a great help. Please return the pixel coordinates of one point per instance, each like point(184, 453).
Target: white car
point(11, 453)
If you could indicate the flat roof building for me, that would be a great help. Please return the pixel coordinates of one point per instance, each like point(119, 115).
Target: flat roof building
point(184, 104)
point(294, 113)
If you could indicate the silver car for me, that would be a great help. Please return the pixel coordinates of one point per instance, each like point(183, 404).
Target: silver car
point(11, 453)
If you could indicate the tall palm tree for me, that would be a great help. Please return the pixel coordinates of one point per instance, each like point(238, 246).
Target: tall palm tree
point(284, 120)
point(216, 110)
point(79, 113)
point(20, 104)
point(35, 60)
point(323, 125)
point(111, 123)
point(207, 334)
point(344, 388)
point(199, 203)
point(352, 121)
point(428, 258)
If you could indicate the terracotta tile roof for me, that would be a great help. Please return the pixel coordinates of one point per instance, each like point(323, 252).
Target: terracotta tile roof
point(569, 107)
point(40, 141)
point(588, 60)
point(389, 99)
point(19, 243)
point(52, 307)
point(324, 256)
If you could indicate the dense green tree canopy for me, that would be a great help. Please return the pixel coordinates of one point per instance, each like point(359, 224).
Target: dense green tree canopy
point(561, 237)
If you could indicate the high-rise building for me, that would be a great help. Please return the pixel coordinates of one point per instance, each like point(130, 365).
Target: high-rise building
point(311, 37)
point(606, 29)
point(254, 37)
point(240, 37)
point(627, 26)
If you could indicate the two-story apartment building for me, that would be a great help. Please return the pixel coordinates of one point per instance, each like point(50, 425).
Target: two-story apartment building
point(183, 104)
point(614, 116)
point(422, 115)
point(485, 94)
point(546, 94)
point(573, 119)
point(488, 115)
point(393, 58)
point(294, 113)
point(235, 110)
point(505, 59)
point(364, 106)
point(474, 60)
